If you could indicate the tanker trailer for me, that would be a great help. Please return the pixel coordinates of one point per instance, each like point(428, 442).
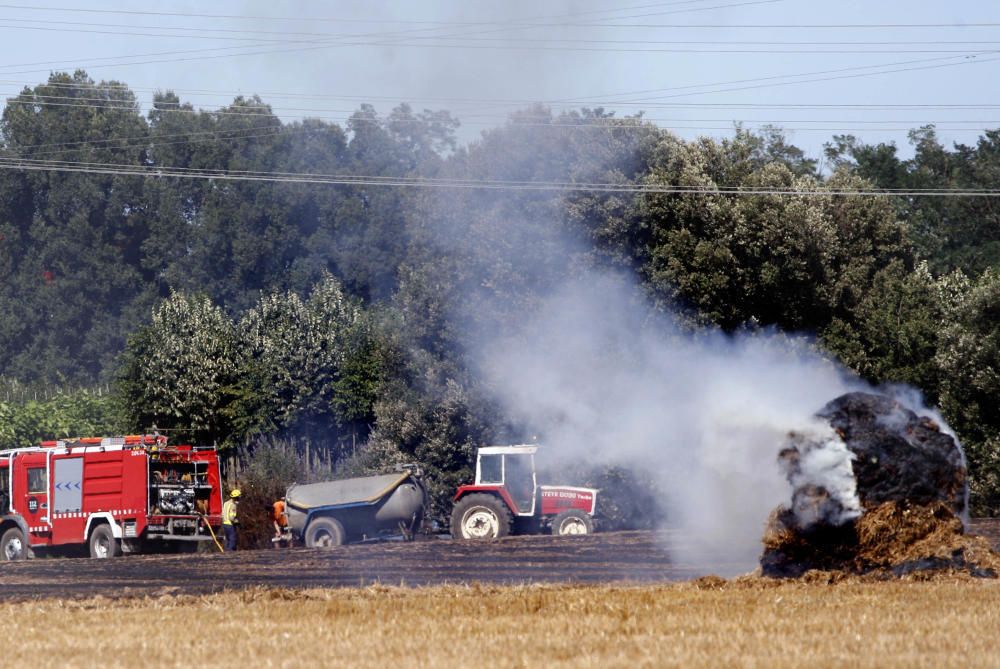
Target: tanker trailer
point(331, 513)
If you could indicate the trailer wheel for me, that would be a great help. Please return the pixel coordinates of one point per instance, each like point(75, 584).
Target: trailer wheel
point(103, 543)
point(480, 517)
point(572, 522)
point(12, 545)
point(324, 533)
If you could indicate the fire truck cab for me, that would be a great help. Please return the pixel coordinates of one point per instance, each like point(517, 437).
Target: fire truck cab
point(110, 495)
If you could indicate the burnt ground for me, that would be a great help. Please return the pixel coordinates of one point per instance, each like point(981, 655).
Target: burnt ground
point(600, 558)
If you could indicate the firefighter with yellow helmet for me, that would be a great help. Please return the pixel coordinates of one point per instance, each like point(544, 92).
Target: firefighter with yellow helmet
point(230, 518)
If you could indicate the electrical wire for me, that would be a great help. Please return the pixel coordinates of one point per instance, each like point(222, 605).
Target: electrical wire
point(321, 44)
point(501, 44)
point(312, 19)
point(512, 102)
point(212, 33)
point(761, 82)
point(507, 43)
point(656, 100)
point(123, 104)
point(973, 60)
point(479, 184)
point(544, 120)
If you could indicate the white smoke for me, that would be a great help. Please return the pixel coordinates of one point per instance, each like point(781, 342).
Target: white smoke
point(822, 477)
point(606, 382)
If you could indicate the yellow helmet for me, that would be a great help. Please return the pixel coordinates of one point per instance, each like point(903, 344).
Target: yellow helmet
point(235, 493)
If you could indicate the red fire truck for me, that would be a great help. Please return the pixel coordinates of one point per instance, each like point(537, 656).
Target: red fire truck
point(113, 495)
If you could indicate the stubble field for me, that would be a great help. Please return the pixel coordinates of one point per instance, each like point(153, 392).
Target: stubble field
point(467, 605)
point(706, 623)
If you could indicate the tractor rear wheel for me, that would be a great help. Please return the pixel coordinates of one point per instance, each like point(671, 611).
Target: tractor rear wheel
point(13, 545)
point(480, 517)
point(571, 523)
point(324, 533)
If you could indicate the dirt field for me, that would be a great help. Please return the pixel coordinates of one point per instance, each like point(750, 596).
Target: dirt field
point(600, 558)
point(637, 557)
point(707, 624)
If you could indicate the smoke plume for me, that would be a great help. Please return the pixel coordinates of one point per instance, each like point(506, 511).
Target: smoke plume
point(607, 381)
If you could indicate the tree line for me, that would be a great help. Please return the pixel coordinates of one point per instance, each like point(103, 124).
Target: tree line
point(338, 318)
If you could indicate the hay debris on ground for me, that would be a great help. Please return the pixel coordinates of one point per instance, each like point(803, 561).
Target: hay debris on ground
point(891, 539)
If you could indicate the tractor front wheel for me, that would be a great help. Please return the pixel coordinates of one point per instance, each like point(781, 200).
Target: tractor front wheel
point(480, 517)
point(571, 523)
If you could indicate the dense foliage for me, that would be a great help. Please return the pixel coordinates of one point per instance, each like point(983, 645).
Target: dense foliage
point(340, 319)
point(25, 422)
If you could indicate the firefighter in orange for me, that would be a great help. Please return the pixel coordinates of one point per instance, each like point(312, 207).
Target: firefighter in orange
point(230, 519)
point(280, 521)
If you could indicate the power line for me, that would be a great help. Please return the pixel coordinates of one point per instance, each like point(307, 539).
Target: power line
point(311, 19)
point(611, 97)
point(479, 184)
point(394, 38)
point(863, 70)
point(513, 102)
point(212, 33)
point(960, 61)
point(546, 45)
point(967, 61)
point(609, 124)
point(500, 117)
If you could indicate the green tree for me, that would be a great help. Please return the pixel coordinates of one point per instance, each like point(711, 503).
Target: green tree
point(969, 359)
point(891, 334)
point(769, 259)
point(292, 358)
point(78, 413)
point(70, 240)
point(175, 371)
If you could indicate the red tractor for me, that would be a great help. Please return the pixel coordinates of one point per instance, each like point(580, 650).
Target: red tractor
point(506, 499)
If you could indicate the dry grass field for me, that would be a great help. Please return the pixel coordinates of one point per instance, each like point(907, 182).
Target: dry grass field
point(708, 623)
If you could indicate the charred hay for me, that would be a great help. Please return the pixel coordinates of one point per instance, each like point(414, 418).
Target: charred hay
point(893, 539)
point(911, 493)
point(898, 455)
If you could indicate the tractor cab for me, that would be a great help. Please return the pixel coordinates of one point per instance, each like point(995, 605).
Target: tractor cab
point(513, 468)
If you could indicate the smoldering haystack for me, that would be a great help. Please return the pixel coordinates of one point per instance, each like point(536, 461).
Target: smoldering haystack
point(885, 494)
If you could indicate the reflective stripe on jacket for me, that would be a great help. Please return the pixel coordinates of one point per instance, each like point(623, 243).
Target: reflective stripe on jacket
point(229, 512)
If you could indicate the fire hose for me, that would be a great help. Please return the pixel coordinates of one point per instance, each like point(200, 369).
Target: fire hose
point(212, 532)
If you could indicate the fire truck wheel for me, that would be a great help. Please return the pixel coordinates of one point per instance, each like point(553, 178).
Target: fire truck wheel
point(572, 522)
point(480, 517)
point(102, 542)
point(12, 545)
point(324, 533)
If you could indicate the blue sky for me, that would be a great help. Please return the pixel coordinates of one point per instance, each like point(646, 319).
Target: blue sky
point(752, 61)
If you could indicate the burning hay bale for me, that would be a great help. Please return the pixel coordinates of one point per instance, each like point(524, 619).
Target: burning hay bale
point(899, 456)
point(885, 492)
